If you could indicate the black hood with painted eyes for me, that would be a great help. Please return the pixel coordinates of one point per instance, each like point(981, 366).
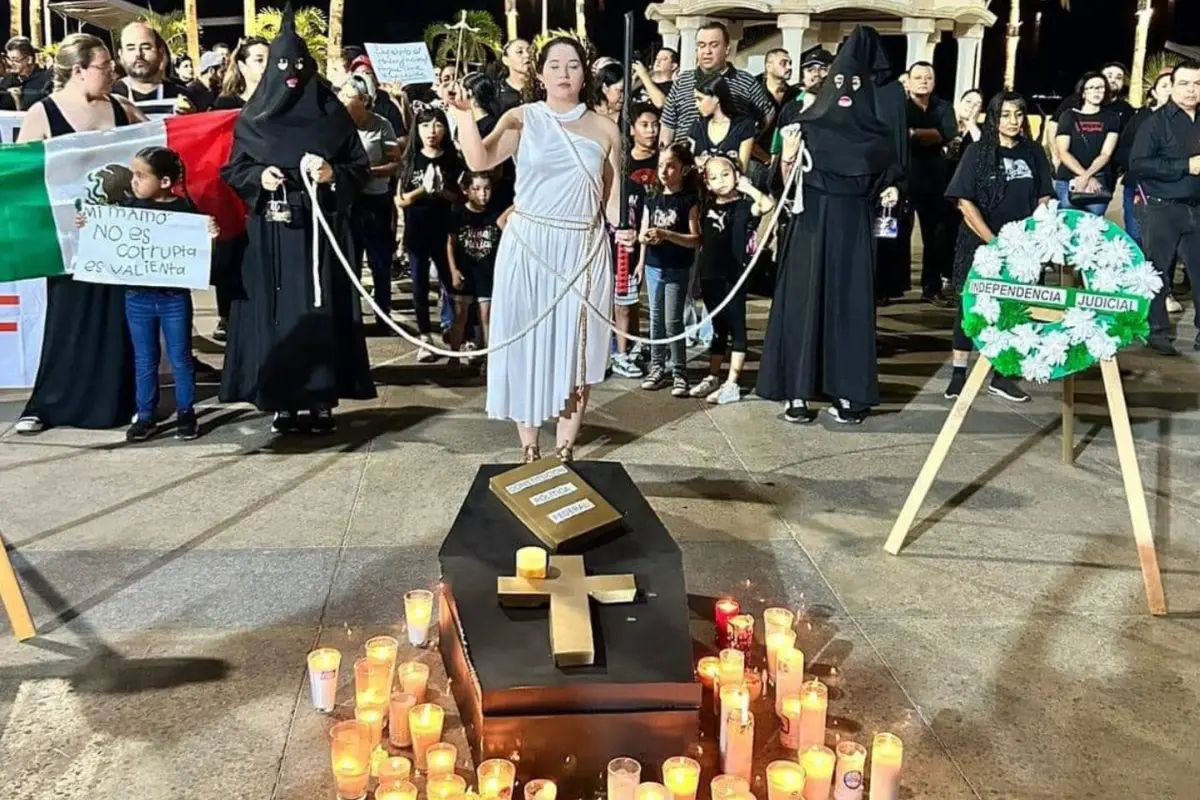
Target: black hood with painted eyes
point(294, 110)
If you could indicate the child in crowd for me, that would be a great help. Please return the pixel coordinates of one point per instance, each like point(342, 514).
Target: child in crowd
point(729, 239)
point(471, 253)
point(158, 184)
point(643, 179)
point(670, 232)
point(429, 179)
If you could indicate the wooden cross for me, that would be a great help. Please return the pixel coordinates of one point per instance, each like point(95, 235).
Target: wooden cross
point(568, 589)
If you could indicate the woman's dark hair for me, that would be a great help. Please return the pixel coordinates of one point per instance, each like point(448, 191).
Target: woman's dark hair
point(470, 175)
point(165, 163)
point(1151, 100)
point(1091, 76)
point(580, 52)
point(716, 86)
point(608, 75)
point(485, 91)
point(235, 83)
point(684, 155)
point(409, 163)
point(989, 176)
point(976, 90)
point(181, 60)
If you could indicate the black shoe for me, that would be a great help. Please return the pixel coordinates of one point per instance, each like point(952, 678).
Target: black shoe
point(186, 427)
point(221, 333)
point(1196, 345)
point(204, 371)
point(285, 422)
point(1008, 389)
point(958, 379)
point(322, 422)
point(140, 430)
point(843, 414)
point(798, 412)
point(1163, 347)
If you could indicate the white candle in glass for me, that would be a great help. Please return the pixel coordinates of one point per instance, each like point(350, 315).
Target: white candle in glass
point(724, 787)
point(496, 777)
point(732, 698)
point(414, 679)
point(778, 619)
point(531, 562)
point(789, 674)
point(440, 758)
point(887, 759)
point(732, 667)
point(418, 610)
point(848, 778)
point(785, 781)
point(818, 762)
point(323, 667)
point(737, 754)
point(541, 789)
point(777, 641)
point(681, 776)
point(789, 722)
point(398, 733)
point(814, 703)
point(446, 787)
point(624, 775)
point(652, 791)
point(425, 724)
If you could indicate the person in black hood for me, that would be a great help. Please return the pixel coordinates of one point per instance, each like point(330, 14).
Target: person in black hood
point(295, 332)
point(820, 340)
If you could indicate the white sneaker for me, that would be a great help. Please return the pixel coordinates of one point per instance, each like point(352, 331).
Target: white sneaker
point(626, 367)
point(1173, 305)
point(425, 355)
point(29, 425)
point(728, 393)
point(706, 387)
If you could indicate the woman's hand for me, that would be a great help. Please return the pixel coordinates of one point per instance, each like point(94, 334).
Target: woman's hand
point(745, 186)
point(890, 197)
point(652, 236)
point(639, 274)
point(791, 143)
point(627, 238)
point(272, 178)
point(458, 98)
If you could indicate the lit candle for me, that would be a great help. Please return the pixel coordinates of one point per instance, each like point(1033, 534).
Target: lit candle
point(401, 790)
point(724, 787)
point(372, 716)
point(418, 608)
point(848, 780)
point(777, 619)
point(814, 702)
point(733, 698)
point(446, 787)
point(789, 675)
point(741, 796)
point(440, 758)
point(789, 722)
point(350, 751)
point(383, 649)
point(725, 609)
point(414, 679)
point(887, 757)
point(652, 791)
point(741, 632)
point(709, 670)
point(496, 777)
point(732, 667)
point(531, 562)
point(737, 753)
point(624, 775)
point(785, 781)
point(398, 733)
point(752, 679)
point(379, 757)
point(541, 789)
point(776, 641)
point(395, 770)
point(322, 677)
point(425, 724)
point(818, 762)
point(681, 775)
point(370, 682)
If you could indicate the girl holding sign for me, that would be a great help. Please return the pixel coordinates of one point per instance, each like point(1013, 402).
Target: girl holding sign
point(158, 184)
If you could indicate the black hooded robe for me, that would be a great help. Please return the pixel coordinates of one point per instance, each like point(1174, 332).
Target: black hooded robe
point(284, 353)
point(820, 340)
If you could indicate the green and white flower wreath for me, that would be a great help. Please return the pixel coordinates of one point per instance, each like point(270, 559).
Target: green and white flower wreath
point(1115, 275)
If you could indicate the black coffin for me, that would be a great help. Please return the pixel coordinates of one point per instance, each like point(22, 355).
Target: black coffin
point(639, 699)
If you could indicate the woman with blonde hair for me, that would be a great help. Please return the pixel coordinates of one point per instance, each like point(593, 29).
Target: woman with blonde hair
point(85, 377)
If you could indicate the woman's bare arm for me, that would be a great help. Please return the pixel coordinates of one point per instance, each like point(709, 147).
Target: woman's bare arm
point(612, 175)
point(500, 145)
point(35, 127)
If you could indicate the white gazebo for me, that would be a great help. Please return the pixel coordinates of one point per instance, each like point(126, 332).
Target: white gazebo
point(797, 25)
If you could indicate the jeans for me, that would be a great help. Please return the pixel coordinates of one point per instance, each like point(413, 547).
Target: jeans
point(668, 292)
point(1063, 190)
point(147, 311)
point(1133, 225)
point(418, 265)
point(374, 235)
point(1169, 229)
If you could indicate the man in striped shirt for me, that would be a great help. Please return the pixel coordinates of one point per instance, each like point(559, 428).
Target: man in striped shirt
point(712, 54)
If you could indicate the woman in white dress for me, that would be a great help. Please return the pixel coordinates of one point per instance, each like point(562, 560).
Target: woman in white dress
point(568, 173)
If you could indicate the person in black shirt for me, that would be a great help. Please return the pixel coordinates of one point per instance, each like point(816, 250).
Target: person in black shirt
point(145, 56)
point(1156, 98)
point(654, 87)
point(27, 83)
point(720, 129)
point(1166, 160)
point(471, 254)
point(516, 88)
point(1085, 141)
point(243, 74)
point(1002, 178)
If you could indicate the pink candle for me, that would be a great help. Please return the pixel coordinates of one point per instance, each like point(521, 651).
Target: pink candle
point(725, 609)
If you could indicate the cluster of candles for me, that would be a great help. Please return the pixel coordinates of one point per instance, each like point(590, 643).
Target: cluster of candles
point(800, 708)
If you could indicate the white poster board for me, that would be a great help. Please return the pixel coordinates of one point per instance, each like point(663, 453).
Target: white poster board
point(10, 125)
point(401, 63)
point(22, 321)
point(144, 247)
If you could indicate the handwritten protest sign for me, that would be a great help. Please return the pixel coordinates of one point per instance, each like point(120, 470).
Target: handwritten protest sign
point(401, 63)
point(143, 247)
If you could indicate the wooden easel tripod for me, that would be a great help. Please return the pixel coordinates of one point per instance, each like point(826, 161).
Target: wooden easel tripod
point(1130, 472)
point(14, 602)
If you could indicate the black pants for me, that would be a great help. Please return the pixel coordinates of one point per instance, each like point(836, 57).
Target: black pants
point(375, 235)
point(933, 212)
point(1168, 229)
point(959, 338)
point(729, 327)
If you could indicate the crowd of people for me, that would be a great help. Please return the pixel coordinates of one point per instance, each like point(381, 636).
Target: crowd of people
point(504, 184)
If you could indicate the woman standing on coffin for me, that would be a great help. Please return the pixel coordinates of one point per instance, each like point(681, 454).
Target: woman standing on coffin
point(820, 341)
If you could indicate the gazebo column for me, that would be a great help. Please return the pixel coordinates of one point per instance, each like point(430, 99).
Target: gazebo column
point(669, 34)
point(966, 73)
point(922, 35)
point(794, 27)
point(687, 40)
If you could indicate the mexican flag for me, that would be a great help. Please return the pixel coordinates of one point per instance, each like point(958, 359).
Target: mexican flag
point(41, 183)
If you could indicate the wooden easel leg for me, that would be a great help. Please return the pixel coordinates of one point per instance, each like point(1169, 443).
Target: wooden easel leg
point(1068, 420)
point(14, 601)
point(1134, 493)
point(937, 455)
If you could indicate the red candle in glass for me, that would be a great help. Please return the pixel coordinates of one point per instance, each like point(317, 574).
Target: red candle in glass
point(725, 608)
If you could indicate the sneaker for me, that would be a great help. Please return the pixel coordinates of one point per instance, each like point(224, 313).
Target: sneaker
point(424, 354)
point(706, 387)
point(471, 347)
point(140, 430)
point(843, 415)
point(1164, 347)
point(322, 421)
point(29, 425)
point(958, 379)
point(641, 353)
point(222, 331)
point(679, 386)
point(285, 422)
point(186, 427)
point(797, 411)
point(656, 380)
point(728, 393)
point(1008, 389)
point(1173, 305)
point(624, 366)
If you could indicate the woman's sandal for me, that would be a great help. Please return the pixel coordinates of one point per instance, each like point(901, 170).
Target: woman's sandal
point(530, 453)
point(566, 453)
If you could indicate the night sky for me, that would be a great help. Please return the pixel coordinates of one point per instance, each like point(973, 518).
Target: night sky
point(1067, 43)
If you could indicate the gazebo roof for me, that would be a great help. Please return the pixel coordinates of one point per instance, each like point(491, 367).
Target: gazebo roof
point(967, 12)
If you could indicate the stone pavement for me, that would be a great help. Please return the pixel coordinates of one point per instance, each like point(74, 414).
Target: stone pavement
point(178, 586)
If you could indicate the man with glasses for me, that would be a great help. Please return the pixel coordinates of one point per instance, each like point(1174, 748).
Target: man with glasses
point(27, 83)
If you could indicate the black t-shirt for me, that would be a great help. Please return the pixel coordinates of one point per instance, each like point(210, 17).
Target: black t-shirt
point(642, 96)
point(39, 84)
point(643, 180)
point(228, 102)
point(1087, 132)
point(728, 232)
point(476, 237)
point(1073, 101)
point(740, 129)
point(670, 212)
point(385, 107)
point(160, 102)
point(427, 219)
point(927, 162)
point(1026, 176)
point(766, 137)
point(508, 98)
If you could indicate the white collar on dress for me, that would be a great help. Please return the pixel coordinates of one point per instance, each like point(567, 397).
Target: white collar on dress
point(566, 116)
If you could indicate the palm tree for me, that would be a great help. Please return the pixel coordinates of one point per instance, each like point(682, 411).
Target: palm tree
point(192, 24)
point(442, 39)
point(337, 11)
point(1013, 42)
point(311, 26)
point(171, 27)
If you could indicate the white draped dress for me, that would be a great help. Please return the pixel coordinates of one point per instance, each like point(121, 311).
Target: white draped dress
point(556, 232)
